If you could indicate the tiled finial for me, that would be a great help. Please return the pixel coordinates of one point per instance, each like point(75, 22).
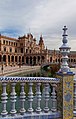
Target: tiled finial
point(64, 49)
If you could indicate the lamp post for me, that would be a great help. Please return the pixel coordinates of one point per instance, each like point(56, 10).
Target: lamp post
point(59, 59)
point(2, 63)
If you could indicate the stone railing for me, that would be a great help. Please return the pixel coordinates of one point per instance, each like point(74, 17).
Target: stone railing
point(46, 98)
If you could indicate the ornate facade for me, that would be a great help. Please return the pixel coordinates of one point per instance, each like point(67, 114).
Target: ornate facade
point(23, 50)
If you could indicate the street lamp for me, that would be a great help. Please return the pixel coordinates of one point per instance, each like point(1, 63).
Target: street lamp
point(59, 59)
point(2, 63)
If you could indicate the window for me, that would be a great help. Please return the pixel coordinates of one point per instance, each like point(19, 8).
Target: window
point(30, 51)
point(21, 50)
point(4, 49)
point(16, 44)
point(6, 42)
point(15, 49)
point(3, 41)
point(10, 49)
point(12, 43)
point(9, 42)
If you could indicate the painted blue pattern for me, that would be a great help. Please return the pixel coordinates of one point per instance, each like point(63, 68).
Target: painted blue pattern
point(68, 97)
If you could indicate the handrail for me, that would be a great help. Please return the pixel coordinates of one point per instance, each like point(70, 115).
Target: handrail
point(29, 79)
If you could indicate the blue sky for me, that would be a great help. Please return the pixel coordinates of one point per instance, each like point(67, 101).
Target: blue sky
point(45, 17)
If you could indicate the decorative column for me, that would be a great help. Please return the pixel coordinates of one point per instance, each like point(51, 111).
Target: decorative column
point(14, 61)
point(30, 97)
point(28, 61)
point(46, 95)
point(53, 98)
point(6, 60)
point(10, 60)
point(17, 60)
point(25, 60)
point(38, 94)
point(22, 99)
point(13, 99)
point(65, 88)
point(36, 61)
point(4, 99)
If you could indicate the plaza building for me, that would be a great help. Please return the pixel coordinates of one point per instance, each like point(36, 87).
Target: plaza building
point(26, 51)
point(56, 57)
point(23, 50)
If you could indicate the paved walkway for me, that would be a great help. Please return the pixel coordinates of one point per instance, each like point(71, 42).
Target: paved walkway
point(16, 69)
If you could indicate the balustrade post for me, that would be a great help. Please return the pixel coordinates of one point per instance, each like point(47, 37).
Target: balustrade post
point(13, 99)
point(30, 97)
point(22, 99)
point(74, 96)
point(4, 99)
point(53, 98)
point(38, 94)
point(46, 95)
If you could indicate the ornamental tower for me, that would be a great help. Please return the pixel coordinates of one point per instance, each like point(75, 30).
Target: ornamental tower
point(64, 49)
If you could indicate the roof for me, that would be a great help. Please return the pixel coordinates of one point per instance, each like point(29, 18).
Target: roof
point(6, 37)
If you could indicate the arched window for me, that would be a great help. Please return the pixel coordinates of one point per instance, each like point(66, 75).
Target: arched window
point(15, 50)
point(74, 60)
point(30, 51)
point(10, 49)
point(21, 50)
point(4, 49)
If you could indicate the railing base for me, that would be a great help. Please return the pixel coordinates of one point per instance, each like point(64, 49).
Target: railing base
point(42, 115)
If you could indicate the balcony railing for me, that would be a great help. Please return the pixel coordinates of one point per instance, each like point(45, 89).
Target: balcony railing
point(41, 105)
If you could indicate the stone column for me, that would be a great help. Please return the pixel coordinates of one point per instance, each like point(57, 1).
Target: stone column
point(6, 60)
point(28, 61)
point(14, 60)
point(18, 60)
point(36, 61)
point(10, 60)
point(25, 60)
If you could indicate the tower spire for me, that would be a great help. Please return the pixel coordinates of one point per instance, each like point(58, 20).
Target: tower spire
point(64, 49)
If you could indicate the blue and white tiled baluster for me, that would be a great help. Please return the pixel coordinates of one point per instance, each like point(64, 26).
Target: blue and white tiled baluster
point(53, 98)
point(13, 99)
point(30, 97)
point(46, 94)
point(38, 94)
point(22, 98)
point(4, 99)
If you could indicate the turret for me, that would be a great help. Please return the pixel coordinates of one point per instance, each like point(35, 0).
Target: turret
point(41, 43)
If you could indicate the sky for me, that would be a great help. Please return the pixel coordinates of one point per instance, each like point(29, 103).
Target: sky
point(46, 17)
